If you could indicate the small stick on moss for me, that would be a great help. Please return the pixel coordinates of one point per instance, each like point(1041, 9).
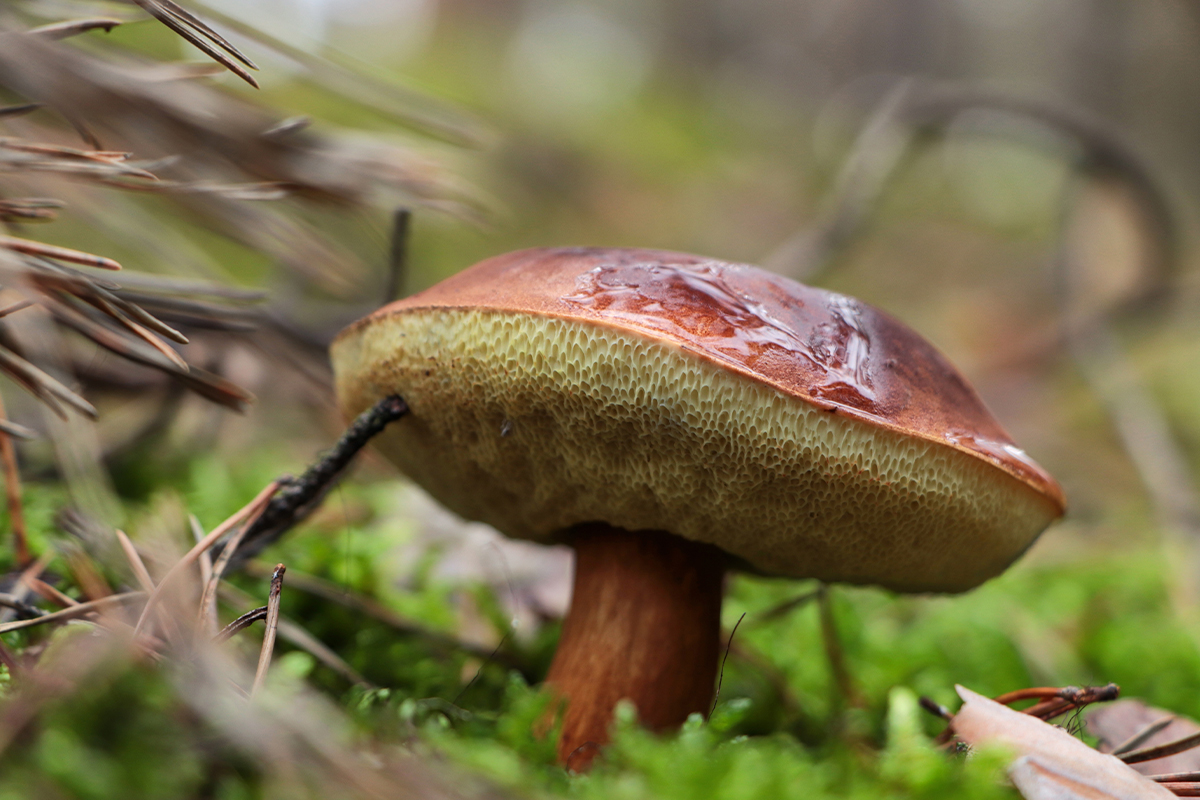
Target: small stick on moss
point(292, 632)
point(87, 577)
point(74, 612)
point(776, 678)
point(208, 612)
point(268, 645)
point(135, 562)
point(12, 489)
point(834, 652)
point(786, 607)
point(721, 672)
point(240, 624)
point(372, 608)
point(51, 593)
point(299, 496)
point(23, 609)
point(208, 600)
point(246, 511)
point(24, 582)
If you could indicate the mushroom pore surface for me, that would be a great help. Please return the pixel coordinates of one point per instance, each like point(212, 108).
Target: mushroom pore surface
point(803, 432)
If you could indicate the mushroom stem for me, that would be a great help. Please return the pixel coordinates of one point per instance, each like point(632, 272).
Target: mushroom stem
point(645, 625)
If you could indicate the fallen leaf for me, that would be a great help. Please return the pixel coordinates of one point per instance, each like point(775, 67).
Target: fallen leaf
point(1051, 764)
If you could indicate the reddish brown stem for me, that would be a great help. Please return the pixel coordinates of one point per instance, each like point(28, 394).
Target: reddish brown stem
point(644, 624)
point(12, 488)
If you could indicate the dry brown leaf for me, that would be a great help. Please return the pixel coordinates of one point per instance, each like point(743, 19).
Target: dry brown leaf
point(1051, 764)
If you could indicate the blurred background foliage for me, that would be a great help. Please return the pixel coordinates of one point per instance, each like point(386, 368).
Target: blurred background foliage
point(1064, 285)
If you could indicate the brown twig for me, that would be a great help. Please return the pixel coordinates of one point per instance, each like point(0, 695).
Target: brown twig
point(240, 624)
point(24, 581)
point(32, 248)
point(74, 612)
point(295, 634)
point(786, 607)
point(721, 672)
point(23, 609)
point(183, 23)
point(1162, 750)
point(776, 678)
point(135, 562)
point(833, 651)
point(208, 609)
point(74, 27)
point(1031, 693)
point(208, 600)
point(935, 708)
point(52, 594)
point(268, 645)
point(12, 491)
point(326, 590)
point(1176, 777)
point(190, 557)
point(87, 577)
point(1142, 735)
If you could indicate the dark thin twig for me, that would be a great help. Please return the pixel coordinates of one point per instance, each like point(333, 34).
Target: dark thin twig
point(298, 497)
point(240, 624)
point(397, 285)
point(833, 650)
point(208, 599)
point(478, 672)
point(292, 632)
point(786, 607)
point(381, 613)
point(268, 645)
point(1143, 735)
point(24, 610)
point(721, 674)
point(935, 708)
point(1162, 750)
point(12, 490)
point(1183, 789)
point(74, 612)
point(62, 30)
point(777, 679)
point(1176, 777)
point(196, 32)
point(19, 110)
point(189, 558)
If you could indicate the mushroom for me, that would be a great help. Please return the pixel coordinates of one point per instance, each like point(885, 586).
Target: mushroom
point(671, 417)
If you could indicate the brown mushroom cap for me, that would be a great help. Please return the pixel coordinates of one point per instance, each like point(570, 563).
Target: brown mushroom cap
point(804, 432)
